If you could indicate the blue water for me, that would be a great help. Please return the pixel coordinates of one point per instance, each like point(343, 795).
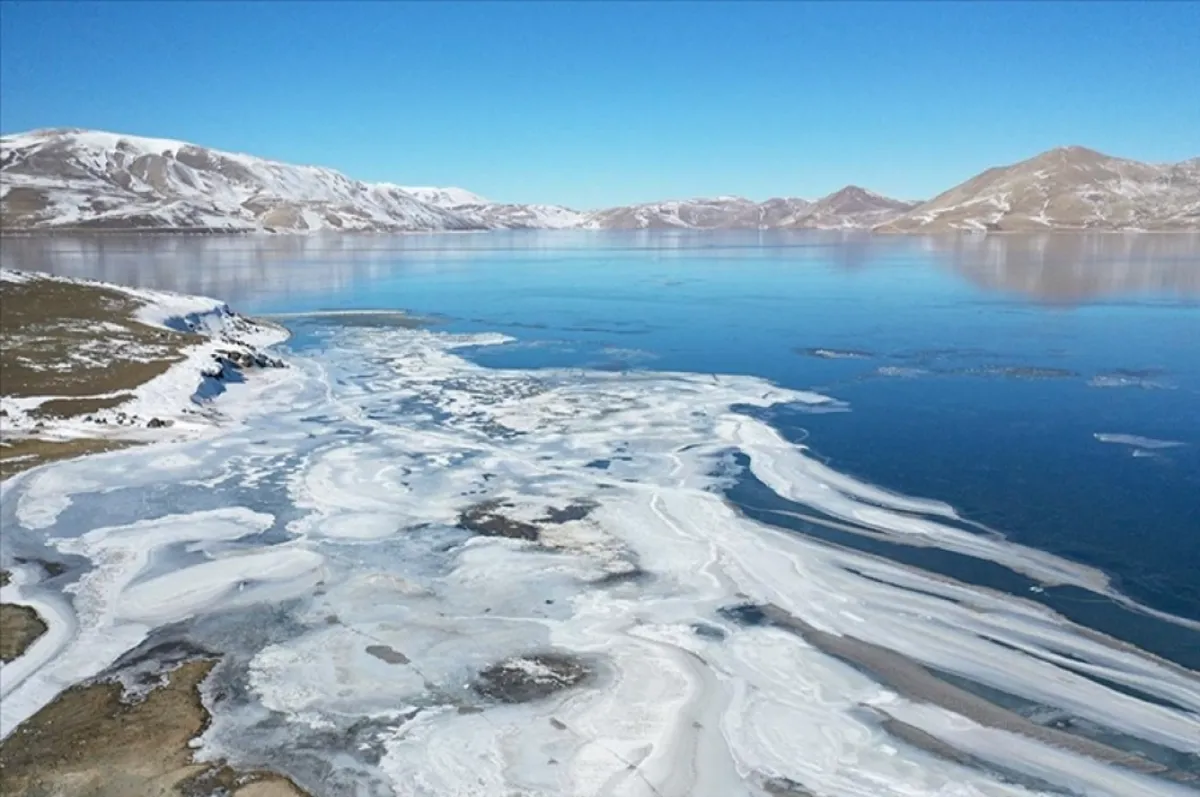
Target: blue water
point(998, 342)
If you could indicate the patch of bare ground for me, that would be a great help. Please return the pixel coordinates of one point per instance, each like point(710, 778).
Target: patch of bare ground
point(20, 627)
point(82, 345)
point(22, 453)
point(23, 205)
point(88, 743)
point(69, 339)
point(487, 519)
point(70, 407)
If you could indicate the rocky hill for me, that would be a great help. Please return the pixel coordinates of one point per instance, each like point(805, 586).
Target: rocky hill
point(57, 180)
point(1065, 189)
point(850, 208)
point(498, 215)
point(89, 180)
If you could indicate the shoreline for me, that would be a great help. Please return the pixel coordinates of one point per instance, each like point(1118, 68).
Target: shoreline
point(88, 731)
point(91, 366)
point(210, 346)
point(97, 738)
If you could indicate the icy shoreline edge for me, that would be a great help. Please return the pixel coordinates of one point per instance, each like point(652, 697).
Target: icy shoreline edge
point(211, 347)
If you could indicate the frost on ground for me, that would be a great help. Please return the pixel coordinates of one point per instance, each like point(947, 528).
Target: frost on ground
point(88, 366)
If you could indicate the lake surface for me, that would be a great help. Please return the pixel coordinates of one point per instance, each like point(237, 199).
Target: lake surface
point(971, 453)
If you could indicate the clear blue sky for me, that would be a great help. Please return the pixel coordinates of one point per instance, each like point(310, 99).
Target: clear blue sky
point(602, 103)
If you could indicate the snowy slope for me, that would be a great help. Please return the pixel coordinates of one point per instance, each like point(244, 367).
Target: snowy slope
point(1065, 188)
point(701, 213)
point(849, 208)
point(497, 215)
point(81, 179)
point(447, 198)
point(91, 180)
point(521, 217)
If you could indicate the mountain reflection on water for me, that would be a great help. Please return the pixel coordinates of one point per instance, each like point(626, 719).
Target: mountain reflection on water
point(1057, 267)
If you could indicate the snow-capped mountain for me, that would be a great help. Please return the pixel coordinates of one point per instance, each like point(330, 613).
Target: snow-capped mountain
point(446, 198)
point(81, 179)
point(705, 213)
point(70, 179)
point(849, 208)
point(497, 215)
point(1065, 188)
point(522, 217)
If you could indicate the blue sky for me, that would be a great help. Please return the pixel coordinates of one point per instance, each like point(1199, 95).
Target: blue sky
point(600, 103)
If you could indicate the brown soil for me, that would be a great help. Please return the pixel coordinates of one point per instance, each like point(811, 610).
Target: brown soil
point(44, 325)
point(43, 322)
point(23, 453)
point(71, 407)
point(22, 205)
point(527, 678)
point(87, 743)
point(486, 519)
point(19, 627)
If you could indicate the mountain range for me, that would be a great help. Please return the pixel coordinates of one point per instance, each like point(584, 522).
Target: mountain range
point(70, 179)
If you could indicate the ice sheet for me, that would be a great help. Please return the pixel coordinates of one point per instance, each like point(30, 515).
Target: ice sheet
point(331, 564)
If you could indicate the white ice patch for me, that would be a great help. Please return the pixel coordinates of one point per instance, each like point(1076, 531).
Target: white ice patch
point(1137, 441)
point(109, 614)
point(386, 611)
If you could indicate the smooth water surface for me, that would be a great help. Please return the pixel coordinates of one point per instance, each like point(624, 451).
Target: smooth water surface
point(980, 370)
point(661, 514)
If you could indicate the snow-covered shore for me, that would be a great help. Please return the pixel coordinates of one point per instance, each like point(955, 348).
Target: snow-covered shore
point(207, 345)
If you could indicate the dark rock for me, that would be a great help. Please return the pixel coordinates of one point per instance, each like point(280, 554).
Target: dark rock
point(526, 678)
point(158, 423)
point(52, 569)
point(785, 787)
point(576, 510)
point(746, 614)
point(484, 518)
point(387, 653)
point(632, 575)
point(707, 631)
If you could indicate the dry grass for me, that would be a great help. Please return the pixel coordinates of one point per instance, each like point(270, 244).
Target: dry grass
point(71, 407)
point(78, 342)
point(22, 205)
point(81, 345)
point(87, 743)
point(20, 626)
point(49, 327)
point(18, 454)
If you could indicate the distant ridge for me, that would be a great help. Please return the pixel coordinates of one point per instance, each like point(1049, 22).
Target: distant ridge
point(73, 179)
point(1067, 188)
